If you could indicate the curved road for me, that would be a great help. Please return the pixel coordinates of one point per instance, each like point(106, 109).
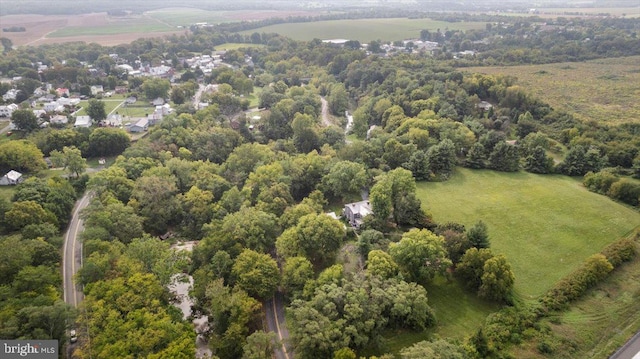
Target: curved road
point(72, 254)
point(631, 350)
point(274, 309)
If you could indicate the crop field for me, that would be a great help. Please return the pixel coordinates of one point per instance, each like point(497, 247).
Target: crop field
point(114, 26)
point(188, 16)
point(545, 225)
point(605, 90)
point(365, 30)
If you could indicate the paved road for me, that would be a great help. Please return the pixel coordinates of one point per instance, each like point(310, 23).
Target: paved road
point(275, 322)
point(72, 256)
point(631, 350)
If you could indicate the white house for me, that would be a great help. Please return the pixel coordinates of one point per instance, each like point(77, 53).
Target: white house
point(59, 120)
point(11, 178)
point(6, 111)
point(97, 89)
point(53, 107)
point(83, 121)
point(10, 95)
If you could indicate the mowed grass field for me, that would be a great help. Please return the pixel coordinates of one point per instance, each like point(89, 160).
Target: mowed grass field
point(134, 24)
point(364, 30)
point(598, 323)
point(545, 225)
point(605, 90)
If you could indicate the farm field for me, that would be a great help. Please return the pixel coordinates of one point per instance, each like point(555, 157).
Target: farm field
point(604, 90)
point(364, 30)
point(189, 16)
point(545, 225)
point(110, 30)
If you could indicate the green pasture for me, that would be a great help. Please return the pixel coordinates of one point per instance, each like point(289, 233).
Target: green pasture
point(602, 90)
point(545, 225)
point(364, 30)
point(125, 26)
point(189, 16)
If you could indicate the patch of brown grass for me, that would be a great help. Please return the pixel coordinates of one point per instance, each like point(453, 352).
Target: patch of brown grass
point(600, 90)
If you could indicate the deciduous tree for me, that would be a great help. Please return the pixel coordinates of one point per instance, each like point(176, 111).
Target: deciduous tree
point(256, 273)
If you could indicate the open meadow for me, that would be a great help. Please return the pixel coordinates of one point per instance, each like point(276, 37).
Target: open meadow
point(364, 30)
point(107, 30)
point(545, 225)
point(604, 90)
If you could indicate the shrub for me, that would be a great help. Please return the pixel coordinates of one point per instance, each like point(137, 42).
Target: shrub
point(626, 191)
point(620, 251)
point(599, 182)
point(571, 287)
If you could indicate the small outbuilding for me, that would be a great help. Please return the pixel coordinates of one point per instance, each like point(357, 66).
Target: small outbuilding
point(11, 178)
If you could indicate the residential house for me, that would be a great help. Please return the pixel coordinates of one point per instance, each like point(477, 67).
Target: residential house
point(120, 90)
point(96, 89)
point(158, 102)
point(164, 109)
point(140, 126)
point(53, 107)
point(154, 118)
point(355, 212)
point(484, 105)
point(113, 120)
point(6, 111)
point(59, 120)
point(83, 121)
point(61, 91)
point(10, 95)
point(11, 178)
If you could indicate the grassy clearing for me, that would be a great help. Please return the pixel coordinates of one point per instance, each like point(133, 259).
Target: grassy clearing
point(459, 314)
point(597, 324)
point(130, 25)
point(602, 90)
point(545, 225)
point(7, 192)
point(364, 30)
point(109, 105)
point(189, 16)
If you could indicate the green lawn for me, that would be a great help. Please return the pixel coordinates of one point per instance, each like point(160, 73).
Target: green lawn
point(364, 30)
point(7, 192)
point(545, 225)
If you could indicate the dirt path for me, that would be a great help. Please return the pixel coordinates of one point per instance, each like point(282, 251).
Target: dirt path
point(325, 112)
